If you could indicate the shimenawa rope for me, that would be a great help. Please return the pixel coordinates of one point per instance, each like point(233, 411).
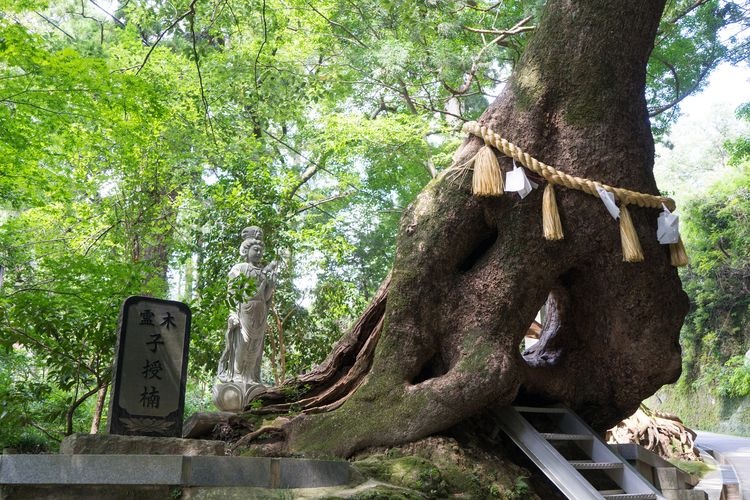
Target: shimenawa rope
point(487, 181)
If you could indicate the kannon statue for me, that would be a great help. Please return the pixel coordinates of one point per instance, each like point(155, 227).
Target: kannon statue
point(251, 287)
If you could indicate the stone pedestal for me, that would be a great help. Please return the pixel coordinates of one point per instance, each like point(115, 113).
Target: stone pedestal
point(113, 444)
point(235, 396)
point(147, 477)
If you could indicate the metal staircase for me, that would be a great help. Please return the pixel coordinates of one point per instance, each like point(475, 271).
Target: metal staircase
point(572, 455)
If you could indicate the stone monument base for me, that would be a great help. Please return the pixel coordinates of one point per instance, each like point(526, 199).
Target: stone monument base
point(113, 444)
point(235, 396)
point(156, 477)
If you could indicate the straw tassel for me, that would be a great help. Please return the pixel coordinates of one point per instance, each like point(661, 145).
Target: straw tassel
point(631, 247)
point(550, 215)
point(487, 179)
point(677, 254)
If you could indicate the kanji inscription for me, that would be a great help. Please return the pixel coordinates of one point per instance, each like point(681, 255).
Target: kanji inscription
point(148, 396)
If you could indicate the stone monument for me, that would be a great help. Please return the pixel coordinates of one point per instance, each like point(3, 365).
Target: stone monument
point(150, 371)
point(250, 289)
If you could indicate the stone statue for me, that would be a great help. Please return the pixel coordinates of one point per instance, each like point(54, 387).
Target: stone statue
point(250, 289)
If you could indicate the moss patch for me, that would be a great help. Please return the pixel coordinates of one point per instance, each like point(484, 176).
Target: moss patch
point(438, 467)
point(410, 472)
point(693, 468)
point(385, 492)
point(527, 86)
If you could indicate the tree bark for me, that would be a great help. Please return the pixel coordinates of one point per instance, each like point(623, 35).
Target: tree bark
point(471, 273)
point(70, 413)
point(99, 408)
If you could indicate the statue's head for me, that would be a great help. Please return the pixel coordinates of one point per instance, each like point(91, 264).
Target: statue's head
point(252, 232)
point(252, 244)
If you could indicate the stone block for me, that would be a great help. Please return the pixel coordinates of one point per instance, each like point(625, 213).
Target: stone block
point(91, 469)
point(42, 475)
point(684, 495)
point(87, 492)
point(263, 472)
point(295, 473)
point(113, 444)
point(667, 479)
point(228, 471)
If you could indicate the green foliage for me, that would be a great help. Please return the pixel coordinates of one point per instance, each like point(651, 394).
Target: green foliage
point(739, 150)
point(688, 46)
point(198, 393)
point(521, 488)
point(692, 467)
point(734, 380)
point(718, 236)
point(715, 336)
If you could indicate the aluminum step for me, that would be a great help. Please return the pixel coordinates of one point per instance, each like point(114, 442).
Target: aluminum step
point(630, 496)
point(556, 436)
point(591, 465)
point(568, 475)
point(541, 409)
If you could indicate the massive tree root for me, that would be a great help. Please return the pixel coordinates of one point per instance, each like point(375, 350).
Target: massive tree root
point(662, 433)
point(329, 384)
point(440, 341)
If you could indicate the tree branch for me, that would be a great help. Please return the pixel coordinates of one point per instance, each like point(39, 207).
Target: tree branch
point(519, 27)
point(382, 106)
point(47, 290)
point(112, 16)
point(364, 18)
point(319, 166)
point(44, 347)
point(687, 11)
point(46, 110)
point(405, 94)
point(263, 44)
point(72, 408)
point(99, 237)
point(97, 21)
point(198, 68)
point(191, 10)
point(512, 31)
point(720, 244)
point(44, 431)
point(485, 9)
point(50, 21)
point(316, 204)
point(306, 176)
point(679, 97)
point(429, 165)
point(338, 25)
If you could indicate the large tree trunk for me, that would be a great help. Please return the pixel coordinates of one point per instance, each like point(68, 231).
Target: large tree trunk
point(471, 273)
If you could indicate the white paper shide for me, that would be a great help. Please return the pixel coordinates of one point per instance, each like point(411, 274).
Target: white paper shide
point(609, 202)
point(668, 228)
point(516, 180)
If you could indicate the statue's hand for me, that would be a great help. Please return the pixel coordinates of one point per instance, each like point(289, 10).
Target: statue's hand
point(270, 271)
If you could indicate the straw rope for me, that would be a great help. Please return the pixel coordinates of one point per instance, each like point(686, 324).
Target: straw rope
point(551, 174)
